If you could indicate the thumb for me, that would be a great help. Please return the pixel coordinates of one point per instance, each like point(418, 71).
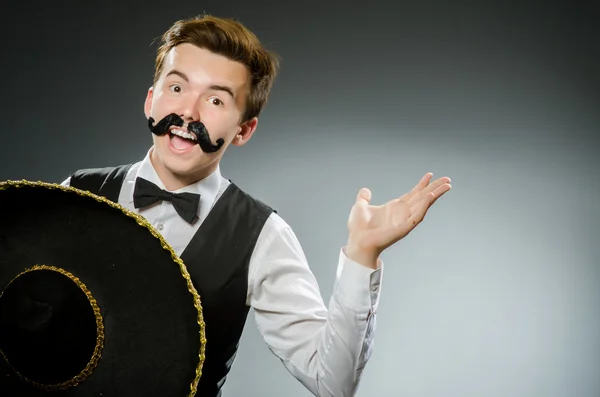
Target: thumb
point(363, 197)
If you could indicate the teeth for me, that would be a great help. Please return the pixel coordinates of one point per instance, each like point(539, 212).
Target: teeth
point(183, 134)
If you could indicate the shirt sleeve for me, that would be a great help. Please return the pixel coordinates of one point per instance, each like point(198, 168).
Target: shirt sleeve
point(325, 348)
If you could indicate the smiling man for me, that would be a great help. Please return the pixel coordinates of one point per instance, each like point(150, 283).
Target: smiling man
point(212, 78)
point(207, 88)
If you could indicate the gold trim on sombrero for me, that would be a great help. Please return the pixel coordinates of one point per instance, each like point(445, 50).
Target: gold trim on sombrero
point(142, 222)
point(91, 365)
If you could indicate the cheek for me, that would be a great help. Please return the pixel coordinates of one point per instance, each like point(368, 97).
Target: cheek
point(162, 104)
point(224, 129)
point(220, 122)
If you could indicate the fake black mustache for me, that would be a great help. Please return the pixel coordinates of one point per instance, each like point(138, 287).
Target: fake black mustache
point(196, 128)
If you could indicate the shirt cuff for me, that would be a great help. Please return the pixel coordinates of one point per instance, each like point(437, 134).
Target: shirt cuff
point(358, 287)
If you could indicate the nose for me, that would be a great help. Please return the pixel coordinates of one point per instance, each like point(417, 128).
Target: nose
point(190, 110)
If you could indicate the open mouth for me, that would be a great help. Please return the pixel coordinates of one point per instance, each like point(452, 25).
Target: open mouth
point(182, 140)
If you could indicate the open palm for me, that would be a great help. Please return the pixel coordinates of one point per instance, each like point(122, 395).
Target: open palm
point(373, 228)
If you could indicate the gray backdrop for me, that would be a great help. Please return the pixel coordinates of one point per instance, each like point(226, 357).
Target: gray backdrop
point(497, 293)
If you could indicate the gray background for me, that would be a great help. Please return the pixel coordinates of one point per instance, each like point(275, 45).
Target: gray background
point(497, 293)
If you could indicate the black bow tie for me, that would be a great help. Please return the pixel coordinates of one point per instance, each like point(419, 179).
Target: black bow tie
point(147, 193)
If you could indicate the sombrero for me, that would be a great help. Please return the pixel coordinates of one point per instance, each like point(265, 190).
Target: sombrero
point(93, 301)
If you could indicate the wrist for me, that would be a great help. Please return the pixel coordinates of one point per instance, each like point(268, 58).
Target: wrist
point(367, 257)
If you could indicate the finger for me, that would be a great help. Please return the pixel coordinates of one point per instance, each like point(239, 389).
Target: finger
point(418, 187)
point(439, 192)
point(363, 197)
point(436, 194)
point(431, 188)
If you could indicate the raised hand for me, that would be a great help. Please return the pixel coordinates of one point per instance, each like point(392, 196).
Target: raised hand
point(372, 228)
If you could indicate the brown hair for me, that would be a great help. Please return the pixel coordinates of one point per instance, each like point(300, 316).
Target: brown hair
point(231, 39)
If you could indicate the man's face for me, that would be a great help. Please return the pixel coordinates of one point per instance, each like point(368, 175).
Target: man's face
point(198, 85)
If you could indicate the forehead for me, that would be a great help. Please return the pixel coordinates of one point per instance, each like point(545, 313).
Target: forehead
point(203, 67)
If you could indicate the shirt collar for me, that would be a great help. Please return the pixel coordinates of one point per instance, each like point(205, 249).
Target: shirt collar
point(207, 188)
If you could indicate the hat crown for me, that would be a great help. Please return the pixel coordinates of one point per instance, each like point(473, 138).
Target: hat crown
point(50, 333)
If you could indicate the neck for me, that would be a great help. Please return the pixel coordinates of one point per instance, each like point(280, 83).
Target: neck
point(174, 181)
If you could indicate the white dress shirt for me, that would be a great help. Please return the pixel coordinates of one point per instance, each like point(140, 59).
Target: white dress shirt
point(324, 348)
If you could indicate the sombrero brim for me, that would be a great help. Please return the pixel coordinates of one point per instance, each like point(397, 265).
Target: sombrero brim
point(151, 332)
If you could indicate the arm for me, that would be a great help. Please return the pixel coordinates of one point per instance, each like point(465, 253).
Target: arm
point(324, 348)
point(327, 350)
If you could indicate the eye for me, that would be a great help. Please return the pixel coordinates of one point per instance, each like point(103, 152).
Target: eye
point(175, 88)
point(216, 101)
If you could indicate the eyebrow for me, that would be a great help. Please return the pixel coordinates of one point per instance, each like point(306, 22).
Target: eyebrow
point(178, 73)
point(223, 88)
point(212, 87)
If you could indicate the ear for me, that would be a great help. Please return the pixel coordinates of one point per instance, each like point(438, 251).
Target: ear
point(245, 132)
point(148, 102)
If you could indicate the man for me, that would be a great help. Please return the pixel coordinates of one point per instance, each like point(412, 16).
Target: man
point(212, 78)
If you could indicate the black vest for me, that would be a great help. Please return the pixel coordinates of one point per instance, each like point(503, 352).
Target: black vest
point(217, 259)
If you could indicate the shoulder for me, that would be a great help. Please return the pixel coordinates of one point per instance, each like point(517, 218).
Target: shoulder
point(100, 171)
point(277, 230)
point(248, 198)
point(274, 223)
point(101, 179)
